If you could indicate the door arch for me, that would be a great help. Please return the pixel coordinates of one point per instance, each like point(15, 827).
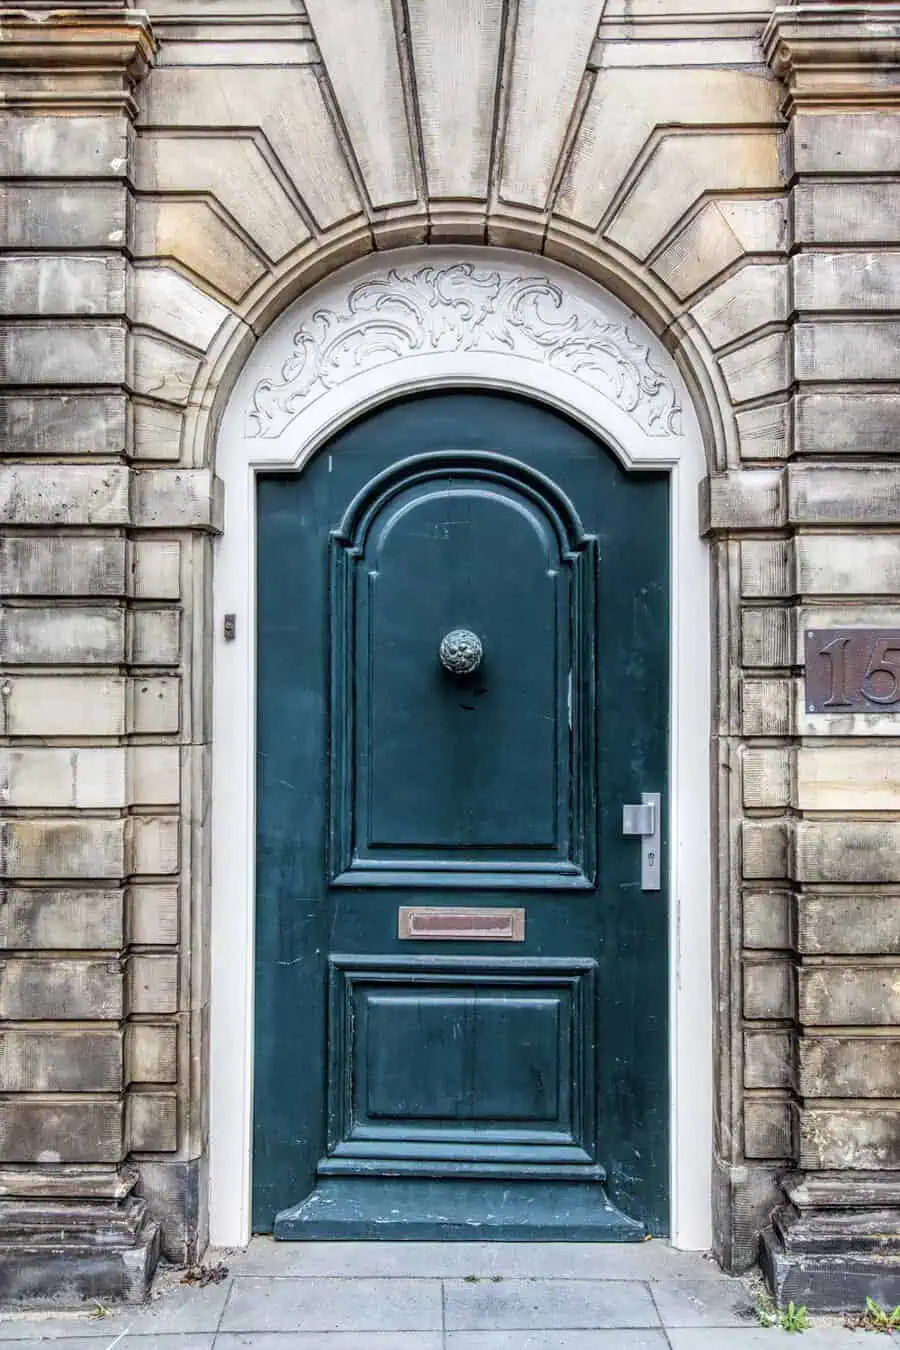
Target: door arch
point(457, 318)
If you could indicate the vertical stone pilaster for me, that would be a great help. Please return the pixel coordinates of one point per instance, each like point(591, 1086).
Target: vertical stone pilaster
point(83, 795)
point(834, 1238)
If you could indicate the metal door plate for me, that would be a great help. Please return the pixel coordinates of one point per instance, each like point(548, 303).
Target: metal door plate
point(437, 923)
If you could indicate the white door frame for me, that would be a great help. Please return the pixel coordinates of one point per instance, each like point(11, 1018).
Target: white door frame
point(394, 325)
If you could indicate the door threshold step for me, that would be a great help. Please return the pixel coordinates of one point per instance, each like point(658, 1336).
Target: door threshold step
point(372, 1208)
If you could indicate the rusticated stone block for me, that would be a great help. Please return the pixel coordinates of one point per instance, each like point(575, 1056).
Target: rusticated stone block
point(766, 777)
point(155, 569)
point(850, 995)
point(766, 707)
point(847, 212)
point(845, 422)
point(153, 983)
point(153, 915)
point(847, 851)
point(850, 1066)
point(53, 989)
point(764, 850)
point(55, 284)
point(62, 566)
point(151, 1052)
point(60, 920)
point(851, 1139)
point(851, 924)
point(743, 1196)
point(151, 1116)
point(751, 298)
point(766, 568)
point(832, 494)
point(177, 499)
point(63, 353)
point(176, 1193)
point(87, 1060)
point(721, 232)
point(53, 635)
point(742, 499)
point(768, 1059)
point(196, 236)
point(153, 848)
point(82, 777)
point(61, 1129)
point(161, 370)
point(154, 637)
point(848, 778)
point(64, 215)
point(764, 431)
point(153, 706)
point(156, 432)
point(64, 705)
point(847, 280)
point(768, 1128)
point(768, 922)
point(845, 142)
point(768, 990)
point(63, 147)
point(767, 637)
point(64, 424)
point(165, 300)
point(860, 349)
point(80, 494)
point(848, 564)
point(66, 849)
point(154, 775)
point(759, 368)
point(152, 1121)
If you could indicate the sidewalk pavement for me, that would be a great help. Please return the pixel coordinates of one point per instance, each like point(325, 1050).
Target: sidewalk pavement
point(440, 1296)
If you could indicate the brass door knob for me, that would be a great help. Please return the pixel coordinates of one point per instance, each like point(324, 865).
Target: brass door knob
point(461, 651)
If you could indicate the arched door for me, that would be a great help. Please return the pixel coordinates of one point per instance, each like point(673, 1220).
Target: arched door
point(461, 961)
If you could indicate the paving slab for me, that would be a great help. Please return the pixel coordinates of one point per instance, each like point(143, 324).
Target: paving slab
point(566, 1305)
point(556, 1340)
point(708, 1302)
point(764, 1338)
point(260, 1304)
point(176, 1341)
point(329, 1340)
point(177, 1309)
point(611, 1261)
point(434, 1296)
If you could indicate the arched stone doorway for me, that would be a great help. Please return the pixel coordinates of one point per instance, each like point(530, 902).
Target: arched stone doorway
point(442, 319)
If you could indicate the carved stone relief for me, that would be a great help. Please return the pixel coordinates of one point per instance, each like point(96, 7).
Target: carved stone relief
point(417, 311)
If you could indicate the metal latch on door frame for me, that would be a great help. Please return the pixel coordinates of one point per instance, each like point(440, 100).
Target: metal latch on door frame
point(644, 821)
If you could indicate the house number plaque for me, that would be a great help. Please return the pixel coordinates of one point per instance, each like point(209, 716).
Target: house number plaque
point(853, 670)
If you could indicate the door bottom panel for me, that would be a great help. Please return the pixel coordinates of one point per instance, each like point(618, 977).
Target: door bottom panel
point(400, 1210)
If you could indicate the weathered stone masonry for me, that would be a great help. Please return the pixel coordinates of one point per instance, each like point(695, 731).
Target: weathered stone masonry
point(171, 183)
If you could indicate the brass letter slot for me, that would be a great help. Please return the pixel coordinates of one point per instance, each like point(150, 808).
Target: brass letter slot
point(434, 923)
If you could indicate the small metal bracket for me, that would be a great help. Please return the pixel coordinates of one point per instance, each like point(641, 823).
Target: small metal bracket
point(643, 821)
point(229, 627)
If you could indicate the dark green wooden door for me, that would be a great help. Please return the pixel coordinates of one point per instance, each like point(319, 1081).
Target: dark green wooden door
point(461, 986)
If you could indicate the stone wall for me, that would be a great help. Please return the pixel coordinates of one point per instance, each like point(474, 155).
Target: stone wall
point(172, 181)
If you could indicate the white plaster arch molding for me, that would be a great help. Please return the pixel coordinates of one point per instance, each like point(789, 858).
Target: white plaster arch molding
point(392, 325)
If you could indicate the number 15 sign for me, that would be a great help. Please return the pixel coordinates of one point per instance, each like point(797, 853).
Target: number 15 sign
point(853, 670)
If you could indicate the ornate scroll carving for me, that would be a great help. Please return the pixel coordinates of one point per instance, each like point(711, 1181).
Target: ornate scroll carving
point(428, 310)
